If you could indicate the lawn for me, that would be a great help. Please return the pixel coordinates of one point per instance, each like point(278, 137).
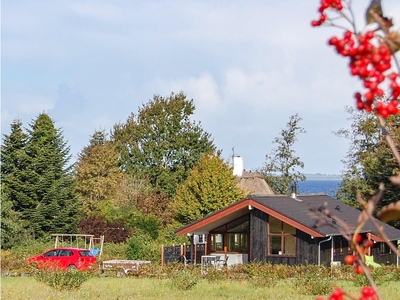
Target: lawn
point(145, 288)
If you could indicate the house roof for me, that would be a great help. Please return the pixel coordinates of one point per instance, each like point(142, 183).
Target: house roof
point(296, 212)
point(253, 183)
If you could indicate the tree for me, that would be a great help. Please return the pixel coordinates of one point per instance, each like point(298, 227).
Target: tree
point(210, 186)
point(281, 165)
point(52, 205)
point(161, 143)
point(13, 166)
point(98, 176)
point(11, 225)
point(369, 160)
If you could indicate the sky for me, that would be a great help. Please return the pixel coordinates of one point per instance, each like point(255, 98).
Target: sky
point(247, 65)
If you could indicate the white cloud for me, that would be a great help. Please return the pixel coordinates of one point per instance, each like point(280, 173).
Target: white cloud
point(203, 89)
point(31, 104)
point(247, 65)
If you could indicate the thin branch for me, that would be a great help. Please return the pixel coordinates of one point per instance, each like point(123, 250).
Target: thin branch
point(389, 139)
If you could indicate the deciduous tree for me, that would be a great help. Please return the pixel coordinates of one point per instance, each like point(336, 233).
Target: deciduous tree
point(210, 186)
point(281, 167)
point(98, 176)
point(161, 142)
point(369, 160)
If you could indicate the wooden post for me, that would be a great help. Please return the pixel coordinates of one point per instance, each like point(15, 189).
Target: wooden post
point(162, 255)
point(195, 254)
point(225, 251)
point(369, 248)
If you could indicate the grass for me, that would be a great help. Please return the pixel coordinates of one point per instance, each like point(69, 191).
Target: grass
point(146, 288)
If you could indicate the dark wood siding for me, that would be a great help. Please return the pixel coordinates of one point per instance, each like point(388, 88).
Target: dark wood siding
point(306, 247)
point(340, 249)
point(383, 254)
point(306, 252)
point(258, 235)
point(326, 251)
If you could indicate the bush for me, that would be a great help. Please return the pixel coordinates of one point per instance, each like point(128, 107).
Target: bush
point(62, 280)
point(15, 259)
point(313, 281)
point(143, 247)
point(263, 275)
point(381, 275)
point(214, 275)
point(184, 279)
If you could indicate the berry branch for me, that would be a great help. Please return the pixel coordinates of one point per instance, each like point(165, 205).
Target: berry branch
point(371, 56)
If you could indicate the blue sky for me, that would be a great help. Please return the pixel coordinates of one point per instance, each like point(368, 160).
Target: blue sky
point(248, 66)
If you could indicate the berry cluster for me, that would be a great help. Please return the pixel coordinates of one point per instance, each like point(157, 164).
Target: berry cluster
point(362, 246)
point(367, 293)
point(325, 4)
point(369, 63)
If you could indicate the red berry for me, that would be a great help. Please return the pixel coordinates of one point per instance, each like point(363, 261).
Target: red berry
point(368, 291)
point(350, 259)
point(333, 41)
point(358, 269)
point(384, 112)
point(383, 49)
point(315, 23)
point(337, 293)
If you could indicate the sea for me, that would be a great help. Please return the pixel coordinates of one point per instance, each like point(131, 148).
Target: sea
point(328, 187)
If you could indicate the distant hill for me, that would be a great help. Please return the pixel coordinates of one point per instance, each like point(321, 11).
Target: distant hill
point(319, 176)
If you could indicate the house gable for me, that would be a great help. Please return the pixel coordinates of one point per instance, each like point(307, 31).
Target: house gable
point(238, 209)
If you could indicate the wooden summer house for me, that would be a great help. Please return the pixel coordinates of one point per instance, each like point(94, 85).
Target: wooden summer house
point(281, 230)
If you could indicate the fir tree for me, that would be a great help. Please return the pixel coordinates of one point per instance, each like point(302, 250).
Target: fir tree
point(14, 162)
point(52, 205)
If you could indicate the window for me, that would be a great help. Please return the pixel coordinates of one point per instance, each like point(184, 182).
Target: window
point(233, 235)
point(85, 253)
point(237, 242)
point(217, 242)
point(281, 238)
point(51, 253)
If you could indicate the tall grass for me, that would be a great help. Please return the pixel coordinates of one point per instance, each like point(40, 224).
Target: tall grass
point(147, 288)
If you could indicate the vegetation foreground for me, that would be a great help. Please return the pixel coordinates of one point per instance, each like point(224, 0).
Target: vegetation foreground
point(147, 288)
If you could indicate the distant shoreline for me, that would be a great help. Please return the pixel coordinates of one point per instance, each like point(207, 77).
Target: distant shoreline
point(323, 177)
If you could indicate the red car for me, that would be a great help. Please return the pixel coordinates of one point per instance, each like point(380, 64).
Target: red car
point(65, 259)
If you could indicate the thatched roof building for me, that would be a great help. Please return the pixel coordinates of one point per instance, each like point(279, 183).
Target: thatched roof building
point(253, 183)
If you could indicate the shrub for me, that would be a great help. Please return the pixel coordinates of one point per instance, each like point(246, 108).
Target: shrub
point(380, 275)
point(214, 275)
point(62, 280)
point(142, 247)
point(261, 275)
point(313, 281)
point(184, 279)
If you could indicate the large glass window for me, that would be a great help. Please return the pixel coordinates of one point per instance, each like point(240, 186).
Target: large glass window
point(281, 238)
point(217, 242)
point(237, 242)
point(234, 235)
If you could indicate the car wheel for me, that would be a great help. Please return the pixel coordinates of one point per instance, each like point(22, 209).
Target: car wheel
point(72, 268)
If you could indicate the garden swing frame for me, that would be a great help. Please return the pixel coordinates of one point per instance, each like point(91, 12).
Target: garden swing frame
point(86, 241)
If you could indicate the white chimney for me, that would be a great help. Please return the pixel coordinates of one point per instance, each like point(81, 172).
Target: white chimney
point(238, 166)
